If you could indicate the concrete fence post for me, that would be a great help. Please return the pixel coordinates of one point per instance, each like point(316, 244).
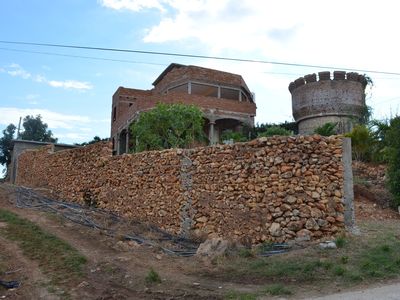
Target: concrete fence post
point(348, 197)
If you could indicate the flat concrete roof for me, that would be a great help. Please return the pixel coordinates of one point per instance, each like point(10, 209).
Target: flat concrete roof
point(43, 143)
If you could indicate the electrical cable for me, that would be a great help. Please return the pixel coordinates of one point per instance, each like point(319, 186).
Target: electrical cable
point(195, 56)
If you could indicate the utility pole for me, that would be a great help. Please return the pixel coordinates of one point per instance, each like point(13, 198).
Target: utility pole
point(19, 127)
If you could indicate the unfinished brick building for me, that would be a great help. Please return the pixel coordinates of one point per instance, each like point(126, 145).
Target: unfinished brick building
point(224, 98)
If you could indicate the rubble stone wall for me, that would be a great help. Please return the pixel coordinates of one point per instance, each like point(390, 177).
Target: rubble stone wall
point(274, 189)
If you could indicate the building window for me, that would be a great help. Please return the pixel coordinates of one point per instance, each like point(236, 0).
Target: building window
point(114, 113)
point(204, 90)
point(228, 93)
point(243, 97)
point(183, 88)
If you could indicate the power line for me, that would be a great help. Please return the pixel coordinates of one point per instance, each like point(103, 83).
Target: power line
point(81, 56)
point(195, 56)
point(118, 60)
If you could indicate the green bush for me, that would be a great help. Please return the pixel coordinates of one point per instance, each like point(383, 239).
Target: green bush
point(327, 129)
point(275, 130)
point(361, 142)
point(233, 135)
point(153, 277)
point(393, 140)
point(277, 290)
point(168, 126)
point(340, 241)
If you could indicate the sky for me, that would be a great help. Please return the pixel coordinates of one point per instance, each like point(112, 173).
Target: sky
point(72, 88)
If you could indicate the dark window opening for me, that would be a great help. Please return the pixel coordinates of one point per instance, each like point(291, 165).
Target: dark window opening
point(232, 94)
point(114, 113)
point(244, 97)
point(183, 88)
point(204, 90)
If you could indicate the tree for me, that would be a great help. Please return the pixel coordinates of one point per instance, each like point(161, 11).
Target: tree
point(95, 139)
point(36, 130)
point(361, 142)
point(168, 126)
point(260, 129)
point(393, 140)
point(6, 145)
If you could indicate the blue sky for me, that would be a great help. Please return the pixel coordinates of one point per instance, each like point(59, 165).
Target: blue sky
point(74, 94)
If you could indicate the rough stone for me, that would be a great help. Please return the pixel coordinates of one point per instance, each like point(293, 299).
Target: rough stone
point(311, 224)
point(295, 225)
point(275, 229)
point(212, 248)
point(303, 235)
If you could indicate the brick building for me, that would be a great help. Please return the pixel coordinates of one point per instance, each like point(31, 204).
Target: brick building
point(224, 98)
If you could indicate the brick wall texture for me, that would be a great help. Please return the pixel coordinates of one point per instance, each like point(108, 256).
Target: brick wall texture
point(147, 100)
point(273, 189)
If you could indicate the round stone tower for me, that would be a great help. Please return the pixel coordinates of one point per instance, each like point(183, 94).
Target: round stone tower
point(316, 101)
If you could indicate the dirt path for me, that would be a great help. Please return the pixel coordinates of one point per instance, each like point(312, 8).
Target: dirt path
point(387, 292)
point(18, 268)
point(116, 269)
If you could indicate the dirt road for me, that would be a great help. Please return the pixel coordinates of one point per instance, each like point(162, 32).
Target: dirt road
point(117, 269)
point(387, 292)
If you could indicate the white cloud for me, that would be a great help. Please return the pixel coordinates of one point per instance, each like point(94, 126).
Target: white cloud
point(134, 5)
point(76, 136)
point(55, 120)
point(16, 70)
point(32, 99)
point(70, 84)
point(40, 79)
point(342, 35)
point(32, 96)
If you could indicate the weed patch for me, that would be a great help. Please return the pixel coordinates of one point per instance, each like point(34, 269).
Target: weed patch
point(277, 290)
point(56, 258)
point(357, 259)
point(340, 241)
point(152, 277)
point(234, 295)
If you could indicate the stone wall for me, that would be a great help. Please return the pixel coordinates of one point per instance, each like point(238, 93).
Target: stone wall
point(273, 189)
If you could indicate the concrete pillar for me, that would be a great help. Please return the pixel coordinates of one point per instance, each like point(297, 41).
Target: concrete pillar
point(127, 141)
point(118, 143)
point(211, 134)
point(348, 192)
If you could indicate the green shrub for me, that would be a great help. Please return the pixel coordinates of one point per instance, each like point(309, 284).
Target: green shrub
point(339, 271)
point(167, 126)
point(275, 130)
point(233, 135)
point(393, 139)
point(152, 277)
point(340, 241)
point(327, 129)
point(277, 289)
point(361, 142)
